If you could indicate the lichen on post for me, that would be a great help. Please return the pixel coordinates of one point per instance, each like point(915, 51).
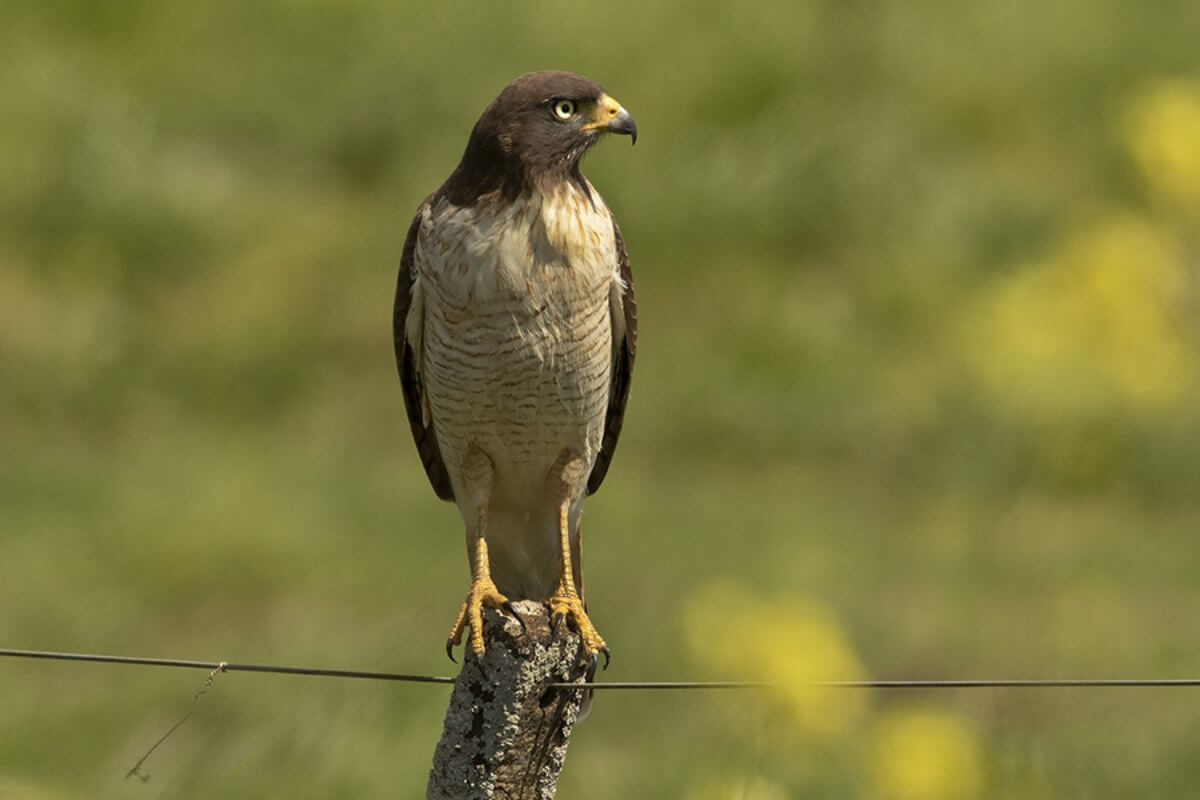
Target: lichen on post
point(506, 730)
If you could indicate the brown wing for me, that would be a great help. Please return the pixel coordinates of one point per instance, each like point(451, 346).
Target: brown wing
point(407, 363)
point(624, 351)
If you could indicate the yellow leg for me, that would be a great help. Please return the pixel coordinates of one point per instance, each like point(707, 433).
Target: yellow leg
point(483, 594)
point(477, 471)
point(566, 603)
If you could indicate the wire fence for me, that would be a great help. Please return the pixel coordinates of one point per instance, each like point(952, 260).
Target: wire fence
point(216, 668)
point(935, 683)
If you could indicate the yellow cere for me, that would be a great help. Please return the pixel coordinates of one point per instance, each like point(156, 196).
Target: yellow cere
point(606, 108)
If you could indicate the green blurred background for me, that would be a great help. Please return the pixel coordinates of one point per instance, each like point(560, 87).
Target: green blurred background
point(916, 392)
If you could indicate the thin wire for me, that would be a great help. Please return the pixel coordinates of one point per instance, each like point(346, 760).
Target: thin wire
point(225, 666)
point(1002, 683)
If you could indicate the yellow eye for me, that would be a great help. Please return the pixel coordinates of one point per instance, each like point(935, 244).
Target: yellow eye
point(564, 109)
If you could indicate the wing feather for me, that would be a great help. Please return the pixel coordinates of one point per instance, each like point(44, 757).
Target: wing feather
point(407, 323)
point(623, 306)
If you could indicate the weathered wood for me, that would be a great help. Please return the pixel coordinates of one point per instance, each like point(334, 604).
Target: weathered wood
point(506, 731)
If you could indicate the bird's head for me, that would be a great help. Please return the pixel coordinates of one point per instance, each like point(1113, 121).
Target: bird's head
point(540, 125)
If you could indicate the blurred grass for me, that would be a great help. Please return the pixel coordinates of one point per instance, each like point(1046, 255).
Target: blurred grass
point(919, 352)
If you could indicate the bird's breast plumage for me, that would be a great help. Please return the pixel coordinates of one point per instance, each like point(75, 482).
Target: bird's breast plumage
point(517, 334)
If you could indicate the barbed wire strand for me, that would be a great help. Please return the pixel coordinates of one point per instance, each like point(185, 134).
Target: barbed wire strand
point(937, 683)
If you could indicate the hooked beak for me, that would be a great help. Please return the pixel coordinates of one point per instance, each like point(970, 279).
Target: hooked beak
point(611, 117)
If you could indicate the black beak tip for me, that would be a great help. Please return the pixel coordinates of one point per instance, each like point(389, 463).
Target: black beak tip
point(630, 127)
point(624, 124)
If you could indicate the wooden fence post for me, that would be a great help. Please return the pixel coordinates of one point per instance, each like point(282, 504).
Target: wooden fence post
point(506, 730)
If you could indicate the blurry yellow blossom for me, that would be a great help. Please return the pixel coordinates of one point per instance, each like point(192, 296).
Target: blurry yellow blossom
point(1162, 131)
point(752, 788)
point(790, 641)
point(1096, 327)
point(925, 755)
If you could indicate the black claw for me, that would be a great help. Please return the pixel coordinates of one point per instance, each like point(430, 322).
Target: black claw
point(511, 609)
point(556, 621)
point(607, 656)
point(450, 650)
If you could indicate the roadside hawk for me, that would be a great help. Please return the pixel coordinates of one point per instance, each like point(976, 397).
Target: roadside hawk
point(515, 331)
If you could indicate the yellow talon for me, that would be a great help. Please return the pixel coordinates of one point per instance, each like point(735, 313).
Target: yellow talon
point(566, 604)
point(483, 594)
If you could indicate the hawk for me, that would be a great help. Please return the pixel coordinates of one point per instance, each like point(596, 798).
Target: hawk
point(515, 330)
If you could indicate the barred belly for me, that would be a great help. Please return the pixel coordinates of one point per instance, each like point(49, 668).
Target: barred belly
point(522, 381)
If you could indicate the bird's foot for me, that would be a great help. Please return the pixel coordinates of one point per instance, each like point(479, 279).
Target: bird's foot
point(483, 594)
point(566, 604)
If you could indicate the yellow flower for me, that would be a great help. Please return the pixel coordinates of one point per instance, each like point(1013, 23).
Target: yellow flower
point(790, 641)
point(925, 755)
point(1162, 131)
point(1094, 328)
